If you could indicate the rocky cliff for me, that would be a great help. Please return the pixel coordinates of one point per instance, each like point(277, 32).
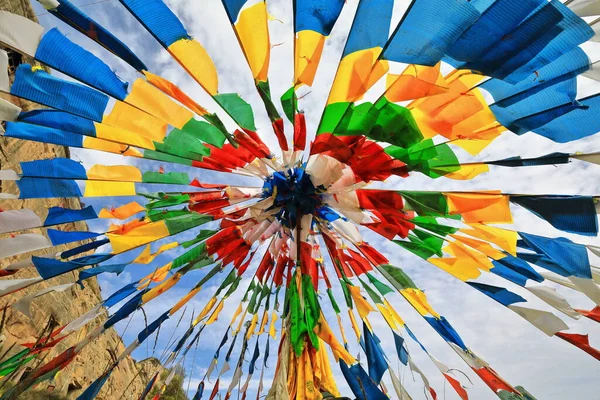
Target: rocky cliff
point(61, 307)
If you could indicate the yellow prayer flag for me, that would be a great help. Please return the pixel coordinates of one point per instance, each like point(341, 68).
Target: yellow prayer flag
point(423, 121)
point(194, 59)
point(476, 125)
point(322, 367)
point(474, 146)
point(323, 330)
point(160, 289)
point(461, 268)
point(110, 147)
point(119, 135)
point(461, 251)
point(237, 313)
point(503, 238)
point(418, 300)
point(157, 276)
point(253, 31)
point(146, 257)
point(147, 97)
point(252, 326)
point(363, 307)
point(272, 330)
point(356, 73)
point(309, 48)
point(468, 172)
point(215, 314)
point(109, 188)
point(392, 311)
point(124, 173)
point(263, 323)
point(132, 119)
point(184, 300)
point(138, 236)
point(387, 316)
point(481, 246)
point(211, 303)
point(354, 324)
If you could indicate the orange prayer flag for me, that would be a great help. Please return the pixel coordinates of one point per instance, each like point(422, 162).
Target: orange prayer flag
point(175, 92)
point(122, 212)
point(417, 81)
point(482, 207)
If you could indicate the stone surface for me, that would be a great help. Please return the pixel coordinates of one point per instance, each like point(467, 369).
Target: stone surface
point(63, 307)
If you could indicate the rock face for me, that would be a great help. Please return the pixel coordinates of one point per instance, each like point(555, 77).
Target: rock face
point(63, 307)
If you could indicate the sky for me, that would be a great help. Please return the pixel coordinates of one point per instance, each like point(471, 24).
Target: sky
point(549, 368)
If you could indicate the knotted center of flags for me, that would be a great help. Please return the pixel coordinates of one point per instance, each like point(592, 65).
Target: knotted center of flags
point(293, 191)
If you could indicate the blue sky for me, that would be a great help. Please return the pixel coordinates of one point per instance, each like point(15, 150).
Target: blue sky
point(548, 367)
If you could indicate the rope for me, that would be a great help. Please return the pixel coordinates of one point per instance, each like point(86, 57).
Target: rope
point(81, 6)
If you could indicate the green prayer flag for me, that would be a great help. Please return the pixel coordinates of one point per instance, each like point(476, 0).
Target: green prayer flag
point(372, 294)
point(334, 303)
point(204, 234)
point(395, 125)
point(426, 203)
point(252, 306)
point(206, 132)
point(380, 286)
point(234, 286)
point(347, 295)
point(159, 215)
point(383, 122)
point(159, 156)
point(415, 154)
point(168, 200)
point(289, 102)
point(14, 358)
point(193, 254)
point(433, 242)
point(202, 263)
point(443, 163)
point(240, 111)
point(332, 116)
point(184, 222)
point(312, 309)
point(431, 224)
point(298, 327)
point(357, 120)
point(9, 369)
point(229, 279)
point(397, 277)
point(264, 91)
point(175, 178)
point(210, 274)
point(417, 246)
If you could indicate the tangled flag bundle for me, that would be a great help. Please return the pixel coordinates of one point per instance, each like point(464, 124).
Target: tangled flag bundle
point(293, 245)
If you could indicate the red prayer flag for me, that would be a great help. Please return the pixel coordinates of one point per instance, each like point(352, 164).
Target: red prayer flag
point(581, 341)
point(457, 387)
point(593, 314)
